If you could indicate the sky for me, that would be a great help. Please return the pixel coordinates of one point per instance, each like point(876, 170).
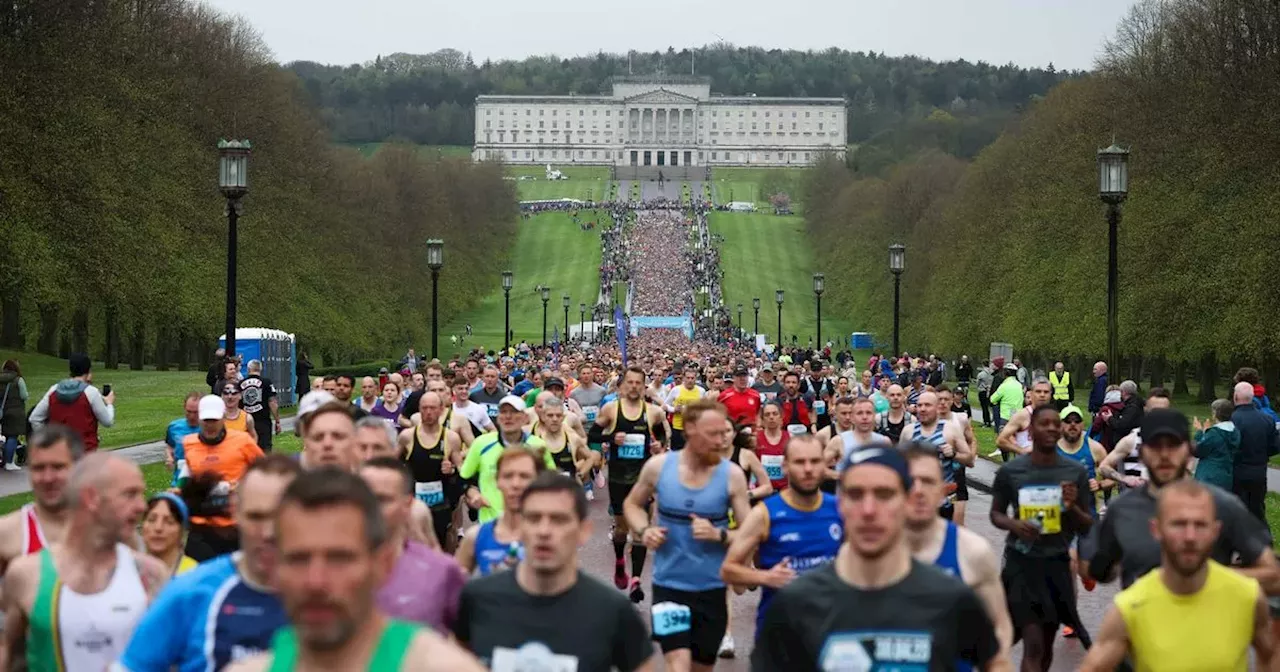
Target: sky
point(1030, 33)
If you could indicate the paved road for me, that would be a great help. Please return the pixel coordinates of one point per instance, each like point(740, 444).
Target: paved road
point(597, 559)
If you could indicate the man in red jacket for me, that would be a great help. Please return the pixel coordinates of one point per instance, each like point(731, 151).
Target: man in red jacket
point(741, 402)
point(77, 404)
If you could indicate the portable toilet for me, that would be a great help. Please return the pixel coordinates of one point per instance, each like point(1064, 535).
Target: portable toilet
point(1002, 350)
point(276, 350)
point(861, 340)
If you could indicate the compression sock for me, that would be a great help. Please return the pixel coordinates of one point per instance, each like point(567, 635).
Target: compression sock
point(638, 554)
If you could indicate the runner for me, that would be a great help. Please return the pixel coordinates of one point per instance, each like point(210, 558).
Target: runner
point(424, 584)
point(488, 392)
point(694, 489)
point(737, 446)
point(76, 611)
point(955, 550)
point(949, 412)
point(892, 422)
point(680, 396)
point(1126, 451)
point(1048, 493)
point(495, 544)
point(375, 438)
point(568, 450)
point(863, 435)
point(217, 458)
point(948, 439)
point(1076, 445)
point(874, 607)
point(432, 453)
point(1015, 437)
point(771, 444)
point(631, 430)
point(797, 416)
point(331, 602)
point(842, 414)
point(480, 467)
point(573, 413)
point(741, 402)
point(51, 454)
point(515, 620)
point(258, 396)
point(793, 531)
point(226, 609)
point(178, 430)
point(767, 385)
point(1192, 613)
point(164, 532)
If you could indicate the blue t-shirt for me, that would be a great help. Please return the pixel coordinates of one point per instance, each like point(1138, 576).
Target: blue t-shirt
point(203, 620)
point(522, 387)
point(173, 436)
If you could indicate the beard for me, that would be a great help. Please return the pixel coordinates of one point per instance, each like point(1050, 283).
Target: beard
point(1184, 567)
point(803, 491)
point(1178, 475)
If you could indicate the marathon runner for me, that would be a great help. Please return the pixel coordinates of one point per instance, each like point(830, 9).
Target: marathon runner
point(75, 611)
point(680, 396)
point(892, 422)
point(258, 397)
point(771, 444)
point(948, 439)
point(433, 453)
point(178, 430)
point(375, 438)
point(742, 403)
point(572, 418)
point(842, 416)
point(1015, 437)
point(51, 454)
point(960, 552)
point(328, 583)
point(489, 392)
point(477, 417)
point(495, 544)
point(1126, 451)
point(234, 417)
point(517, 620)
point(568, 450)
point(631, 430)
point(863, 435)
point(949, 412)
point(164, 530)
point(225, 609)
point(1048, 493)
point(796, 414)
point(1076, 445)
point(793, 531)
point(480, 467)
point(424, 584)
point(767, 385)
point(1192, 613)
point(695, 489)
point(217, 458)
point(874, 607)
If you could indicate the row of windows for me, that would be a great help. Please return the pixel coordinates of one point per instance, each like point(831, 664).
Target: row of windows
point(542, 112)
point(741, 157)
point(768, 126)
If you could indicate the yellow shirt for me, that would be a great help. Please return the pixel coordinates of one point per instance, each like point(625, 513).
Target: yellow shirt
point(684, 397)
point(1210, 630)
point(185, 565)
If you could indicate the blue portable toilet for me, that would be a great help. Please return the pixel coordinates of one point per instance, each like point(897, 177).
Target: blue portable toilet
point(860, 340)
point(277, 350)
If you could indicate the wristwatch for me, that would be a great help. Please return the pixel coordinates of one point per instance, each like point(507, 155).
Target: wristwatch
point(724, 536)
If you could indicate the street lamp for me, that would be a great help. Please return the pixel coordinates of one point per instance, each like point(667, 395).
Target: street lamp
point(897, 262)
point(739, 320)
point(582, 321)
point(755, 305)
point(819, 284)
point(546, 296)
point(233, 181)
point(566, 303)
point(1113, 188)
point(508, 281)
point(435, 261)
point(778, 297)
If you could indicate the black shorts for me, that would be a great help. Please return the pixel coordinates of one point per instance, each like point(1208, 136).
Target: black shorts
point(962, 486)
point(617, 495)
point(699, 630)
point(441, 519)
point(1038, 590)
point(677, 439)
point(266, 437)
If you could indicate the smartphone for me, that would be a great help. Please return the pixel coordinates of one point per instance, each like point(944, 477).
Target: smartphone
point(106, 389)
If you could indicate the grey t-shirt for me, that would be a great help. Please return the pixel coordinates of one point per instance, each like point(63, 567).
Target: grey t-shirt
point(1035, 493)
point(768, 392)
point(589, 399)
point(1124, 535)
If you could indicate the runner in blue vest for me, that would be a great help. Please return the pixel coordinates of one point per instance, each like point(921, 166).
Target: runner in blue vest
point(948, 438)
point(1076, 445)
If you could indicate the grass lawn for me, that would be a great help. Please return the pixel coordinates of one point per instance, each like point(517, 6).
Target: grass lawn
point(745, 184)
point(585, 189)
point(368, 149)
point(551, 251)
point(756, 264)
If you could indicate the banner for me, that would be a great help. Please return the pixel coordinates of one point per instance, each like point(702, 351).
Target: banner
point(620, 328)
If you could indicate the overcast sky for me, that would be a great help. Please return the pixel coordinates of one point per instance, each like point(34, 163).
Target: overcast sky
point(1068, 33)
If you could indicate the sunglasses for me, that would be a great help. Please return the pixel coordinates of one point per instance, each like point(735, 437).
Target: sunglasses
point(229, 393)
point(1076, 421)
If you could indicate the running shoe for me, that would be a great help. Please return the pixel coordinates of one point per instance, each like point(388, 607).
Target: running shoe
point(620, 575)
point(9, 466)
point(637, 593)
point(591, 495)
point(726, 647)
point(1068, 631)
point(994, 453)
point(1089, 584)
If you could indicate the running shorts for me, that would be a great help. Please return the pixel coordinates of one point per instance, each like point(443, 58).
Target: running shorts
point(617, 495)
point(440, 521)
point(687, 620)
point(677, 439)
point(962, 486)
point(1038, 590)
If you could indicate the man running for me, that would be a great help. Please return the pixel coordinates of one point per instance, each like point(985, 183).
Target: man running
point(424, 584)
point(875, 607)
point(949, 412)
point(515, 620)
point(76, 611)
point(1049, 494)
point(842, 416)
point(494, 545)
point(480, 467)
point(218, 457)
point(631, 430)
point(1192, 613)
point(1076, 445)
point(741, 402)
point(258, 395)
point(226, 609)
point(958, 551)
point(474, 416)
point(178, 430)
point(328, 584)
point(893, 421)
point(695, 490)
point(791, 532)
point(680, 396)
point(573, 417)
point(51, 454)
point(375, 438)
point(1015, 437)
point(568, 450)
point(948, 438)
point(1126, 454)
point(433, 453)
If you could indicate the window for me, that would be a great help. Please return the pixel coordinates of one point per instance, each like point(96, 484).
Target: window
point(806, 114)
point(766, 124)
point(753, 125)
point(819, 123)
point(753, 114)
point(528, 113)
point(713, 125)
point(580, 153)
point(488, 124)
point(555, 153)
point(606, 113)
point(515, 154)
point(582, 113)
point(819, 115)
point(488, 112)
point(793, 125)
point(793, 114)
point(542, 113)
point(553, 112)
point(528, 154)
point(739, 125)
point(593, 153)
point(595, 113)
point(542, 124)
point(793, 156)
point(502, 113)
point(806, 156)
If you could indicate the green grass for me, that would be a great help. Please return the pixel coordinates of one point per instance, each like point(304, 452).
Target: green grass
point(585, 189)
point(156, 476)
point(369, 148)
point(552, 251)
point(756, 262)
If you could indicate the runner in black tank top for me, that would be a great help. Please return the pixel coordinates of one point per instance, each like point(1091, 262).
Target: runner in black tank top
point(626, 461)
point(429, 479)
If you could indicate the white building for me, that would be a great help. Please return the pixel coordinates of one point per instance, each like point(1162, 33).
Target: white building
point(658, 121)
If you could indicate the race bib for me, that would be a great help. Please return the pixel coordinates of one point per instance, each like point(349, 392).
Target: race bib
point(531, 657)
point(492, 410)
point(183, 471)
point(632, 447)
point(797, 430)
point(431, 494)
point(772, 466)
point(1042, 504)
point(820, 407)
point(670, 618)
point(590, 412)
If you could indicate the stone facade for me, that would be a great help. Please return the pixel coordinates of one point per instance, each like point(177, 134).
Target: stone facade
point(658, 121)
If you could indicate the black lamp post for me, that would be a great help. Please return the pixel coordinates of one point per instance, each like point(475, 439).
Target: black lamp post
point(897, 262)
point(233, 181)
point(508, 281)
point(739, 320)
point(1113, 188)
point(778, 297)
point(819, 285)
point(546, 296)
point(566, 302)
point(582, 321)
point(435, 261)
point(755, 305)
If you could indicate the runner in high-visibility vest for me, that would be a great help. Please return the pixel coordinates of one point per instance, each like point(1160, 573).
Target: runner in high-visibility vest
point(1061, 381)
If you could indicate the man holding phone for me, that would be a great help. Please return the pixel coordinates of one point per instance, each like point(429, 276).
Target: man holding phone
point(77, 404)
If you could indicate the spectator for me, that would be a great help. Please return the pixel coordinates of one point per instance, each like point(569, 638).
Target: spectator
point(1130, 415)
point(410, 360)
point(76, 403)
point(986, 378)
point(215, 370)
point(1258, 442)
point(302, 369)
point(1260, 400)
point(1097, 397)
point(1216, 446)
point(964, 371)
point(13, 410)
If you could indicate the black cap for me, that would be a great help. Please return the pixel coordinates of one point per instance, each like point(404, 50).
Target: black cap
point(79, 364)
point(553, 382)
point(740, 370)
point(1164, 422)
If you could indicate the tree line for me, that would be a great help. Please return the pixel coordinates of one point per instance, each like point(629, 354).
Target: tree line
point(428, 98)
point(113, 232)
point(1012, 246)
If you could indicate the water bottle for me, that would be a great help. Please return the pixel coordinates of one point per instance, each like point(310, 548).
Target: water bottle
point(1024, 546)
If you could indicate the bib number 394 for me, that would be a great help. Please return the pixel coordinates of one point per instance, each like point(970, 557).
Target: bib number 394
point(670, 618)
point(1043, 504)
point(632, 447)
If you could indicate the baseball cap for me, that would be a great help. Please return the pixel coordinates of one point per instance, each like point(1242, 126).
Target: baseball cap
point(1164, 422)
point(553, 382)
point(313, 400)
point(211, 407)
point(1072, 409)
point(740, 370)
point(886, 457)
point(513, 401)
point(766, 367)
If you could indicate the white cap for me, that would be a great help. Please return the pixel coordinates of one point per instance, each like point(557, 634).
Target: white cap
point(212, 407)
point(512, 401)
point(313, 400)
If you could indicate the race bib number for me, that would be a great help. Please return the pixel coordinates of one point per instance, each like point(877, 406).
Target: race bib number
point(590, 412)
point(492, 410)
point(431, 494)
point(670, 618)
point(772, 466)
point(820, 407)
point(632, 447)
point(1042, 504)
point(797, 430)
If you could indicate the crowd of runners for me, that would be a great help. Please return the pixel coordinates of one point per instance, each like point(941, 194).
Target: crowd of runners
point(434, 519)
